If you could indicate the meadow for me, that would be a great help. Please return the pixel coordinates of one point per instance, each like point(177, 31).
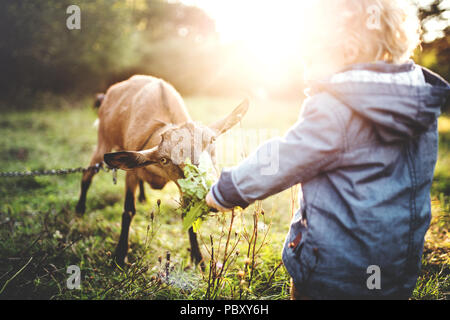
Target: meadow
point(41, 235)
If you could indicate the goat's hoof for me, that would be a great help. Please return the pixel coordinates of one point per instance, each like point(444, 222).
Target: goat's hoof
point(198, 260)
point(142, 199)
point(80, 209)
point(120, 257)
point(119, 262)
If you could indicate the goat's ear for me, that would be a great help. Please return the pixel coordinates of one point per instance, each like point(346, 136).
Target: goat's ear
point(129, 160)
point(232, 119)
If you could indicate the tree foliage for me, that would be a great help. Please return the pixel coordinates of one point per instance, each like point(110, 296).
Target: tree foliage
point(436, 54)
point(39, 53)
point(118, 38)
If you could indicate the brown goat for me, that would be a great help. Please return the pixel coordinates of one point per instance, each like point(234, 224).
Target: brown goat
point(147, 117)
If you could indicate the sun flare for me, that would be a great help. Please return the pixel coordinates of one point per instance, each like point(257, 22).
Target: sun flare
point(269, 31)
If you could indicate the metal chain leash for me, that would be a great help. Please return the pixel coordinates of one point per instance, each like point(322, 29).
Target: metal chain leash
point(59, 172)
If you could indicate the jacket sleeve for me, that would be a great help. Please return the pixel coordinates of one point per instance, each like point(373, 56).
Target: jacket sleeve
point(313, 145)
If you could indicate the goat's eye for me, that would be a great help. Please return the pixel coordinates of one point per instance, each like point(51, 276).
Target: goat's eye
point(163, 161)
point(213, 139)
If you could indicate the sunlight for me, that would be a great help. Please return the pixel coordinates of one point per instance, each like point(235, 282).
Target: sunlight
point(268, 30)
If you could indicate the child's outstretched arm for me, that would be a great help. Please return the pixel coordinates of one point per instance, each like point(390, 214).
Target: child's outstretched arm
point(311, 146)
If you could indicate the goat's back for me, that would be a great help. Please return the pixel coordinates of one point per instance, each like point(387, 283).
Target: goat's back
point(133, 109)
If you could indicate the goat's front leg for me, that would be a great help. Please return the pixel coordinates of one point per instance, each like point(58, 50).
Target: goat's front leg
point(196, 254)
point(142, 197)
point(127, 216)
point(85, 183)
point(97, 158)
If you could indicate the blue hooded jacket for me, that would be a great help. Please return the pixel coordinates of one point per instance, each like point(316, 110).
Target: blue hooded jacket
point(364, 151)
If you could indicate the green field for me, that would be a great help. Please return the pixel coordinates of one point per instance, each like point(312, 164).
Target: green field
point(40, 234)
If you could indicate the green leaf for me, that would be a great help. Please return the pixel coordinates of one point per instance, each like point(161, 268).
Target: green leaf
point(196, 225)
point(195, 186)
point(192, 215)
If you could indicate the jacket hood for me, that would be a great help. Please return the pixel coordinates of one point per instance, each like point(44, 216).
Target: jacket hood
point(402, 101)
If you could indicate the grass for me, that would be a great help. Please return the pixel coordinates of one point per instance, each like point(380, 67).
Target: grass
point(434, 281)
point(40, 234)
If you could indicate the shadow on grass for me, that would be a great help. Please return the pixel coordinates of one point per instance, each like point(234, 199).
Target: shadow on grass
point(22, 185)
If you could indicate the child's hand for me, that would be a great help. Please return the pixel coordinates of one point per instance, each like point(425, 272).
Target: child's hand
point(213, 204)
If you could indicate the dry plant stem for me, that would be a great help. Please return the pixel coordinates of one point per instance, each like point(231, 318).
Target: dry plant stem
point(263, 242)
point(225, 256)
point(211, 267)
point(204, 245)
point(41, 277)
point(15, 275)
point(269, 282)
point(167, 266)
point(233, 248)
point(254, 238)
point(222, 234)
point(255, 226)
point(216, 279)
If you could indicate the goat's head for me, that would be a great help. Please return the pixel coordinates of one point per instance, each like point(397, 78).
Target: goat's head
point(178, 142)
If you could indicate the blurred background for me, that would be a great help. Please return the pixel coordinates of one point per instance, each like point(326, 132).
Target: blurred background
point(206, 47)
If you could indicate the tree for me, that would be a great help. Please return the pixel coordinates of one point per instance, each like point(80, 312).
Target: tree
point(39, 53)
point(436, 54)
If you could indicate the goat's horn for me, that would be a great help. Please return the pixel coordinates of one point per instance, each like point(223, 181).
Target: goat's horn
point(162, 122)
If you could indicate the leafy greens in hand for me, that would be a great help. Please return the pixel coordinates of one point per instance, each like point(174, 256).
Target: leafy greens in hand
point(195, 186)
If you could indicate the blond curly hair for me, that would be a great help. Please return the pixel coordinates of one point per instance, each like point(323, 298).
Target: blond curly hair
point(372, 30)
